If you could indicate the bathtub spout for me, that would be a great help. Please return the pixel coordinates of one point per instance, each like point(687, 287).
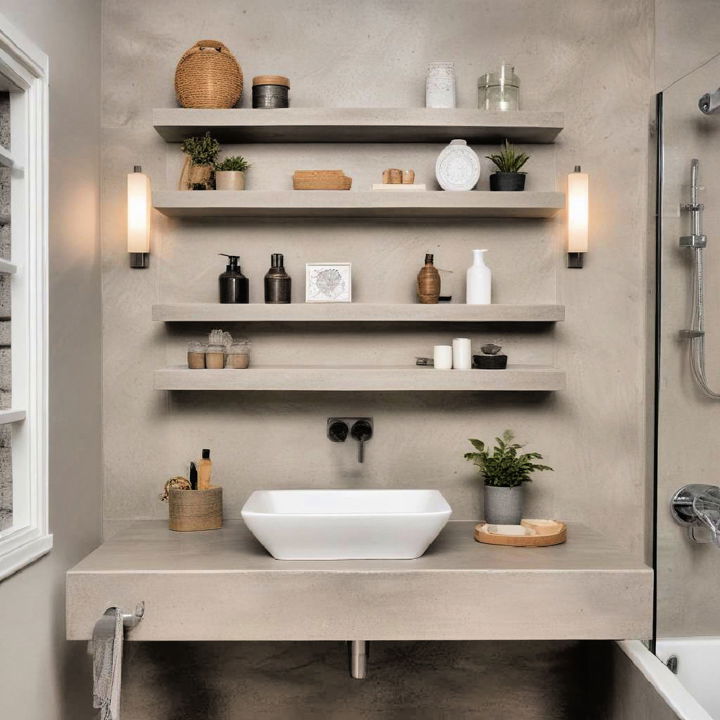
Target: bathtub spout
point(698, 506)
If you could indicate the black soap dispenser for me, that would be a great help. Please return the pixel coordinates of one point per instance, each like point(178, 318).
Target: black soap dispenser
point(277, 282)
point(233, 284)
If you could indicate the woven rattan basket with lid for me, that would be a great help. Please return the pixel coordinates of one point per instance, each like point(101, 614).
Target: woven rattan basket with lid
point(208, 76)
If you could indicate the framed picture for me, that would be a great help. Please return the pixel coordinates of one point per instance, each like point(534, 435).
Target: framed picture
point(328, 282)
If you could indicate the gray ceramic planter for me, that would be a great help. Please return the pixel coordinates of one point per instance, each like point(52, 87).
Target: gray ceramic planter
point(503, 506)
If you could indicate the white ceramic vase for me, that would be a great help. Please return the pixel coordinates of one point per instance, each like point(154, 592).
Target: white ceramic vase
point(479, 281)
point(458, 167)
point(229, 180)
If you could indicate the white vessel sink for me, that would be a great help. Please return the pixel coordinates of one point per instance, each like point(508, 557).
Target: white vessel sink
point(346, 524)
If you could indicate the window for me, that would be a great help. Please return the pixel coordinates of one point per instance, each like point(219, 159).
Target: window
point(24, 533)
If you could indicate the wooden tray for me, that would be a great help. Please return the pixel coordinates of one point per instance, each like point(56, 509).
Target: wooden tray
point(321, 180)
point(542, 534)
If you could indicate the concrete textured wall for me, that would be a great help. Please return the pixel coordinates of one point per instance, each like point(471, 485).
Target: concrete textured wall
point(689, 453)
point(42, 677)
point(591, 60)
point(685, 38)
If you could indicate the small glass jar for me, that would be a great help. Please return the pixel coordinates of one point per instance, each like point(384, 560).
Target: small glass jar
point(499, 92)
point(215, 357)
point(440, 85)
point(238, 355)
point(196, 355)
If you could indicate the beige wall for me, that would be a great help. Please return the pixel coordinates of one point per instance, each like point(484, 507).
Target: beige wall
point(41, 676)
point(685, 38)
point(689, 452)
point(593, 433)
point(591, 60)
point(686, 45)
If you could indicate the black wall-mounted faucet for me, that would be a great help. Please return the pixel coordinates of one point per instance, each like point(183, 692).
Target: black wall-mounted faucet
point(359, 428)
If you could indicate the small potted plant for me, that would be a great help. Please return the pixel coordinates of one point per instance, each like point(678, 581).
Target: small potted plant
point(200, 156)
point(504, 471)
point(508, 163)
point(230, 173)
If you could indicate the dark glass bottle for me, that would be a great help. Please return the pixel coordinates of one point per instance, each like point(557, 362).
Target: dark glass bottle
point(233, 284)
point(277, 282)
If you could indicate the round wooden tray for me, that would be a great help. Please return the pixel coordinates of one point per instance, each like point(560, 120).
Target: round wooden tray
point(543, 533)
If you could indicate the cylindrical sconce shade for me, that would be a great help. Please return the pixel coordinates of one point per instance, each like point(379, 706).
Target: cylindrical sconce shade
point(577, 211)
point(138, 217)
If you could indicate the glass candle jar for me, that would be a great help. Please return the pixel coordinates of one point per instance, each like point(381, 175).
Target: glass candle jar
point(215, 357)
point(440, 85)
point(499, 91)
point(196, 355)
point(238, 355)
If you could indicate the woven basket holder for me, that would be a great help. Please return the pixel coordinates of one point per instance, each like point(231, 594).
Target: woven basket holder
point(208, 76)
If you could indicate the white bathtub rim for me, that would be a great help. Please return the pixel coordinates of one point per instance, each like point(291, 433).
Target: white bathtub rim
point(665, 682)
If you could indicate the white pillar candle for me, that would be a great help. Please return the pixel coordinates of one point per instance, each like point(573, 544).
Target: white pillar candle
point(443, 357)
point(461, 354)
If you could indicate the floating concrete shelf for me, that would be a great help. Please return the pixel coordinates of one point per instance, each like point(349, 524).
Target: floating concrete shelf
point(358, 312)
point(362, 379)
point(222, 585)
point(368, 125)
point(357, 203)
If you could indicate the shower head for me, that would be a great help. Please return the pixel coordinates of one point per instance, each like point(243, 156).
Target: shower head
point(709, 103)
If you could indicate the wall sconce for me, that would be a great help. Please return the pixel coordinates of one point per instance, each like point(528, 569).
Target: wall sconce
point(138, 218)
point(577, 217)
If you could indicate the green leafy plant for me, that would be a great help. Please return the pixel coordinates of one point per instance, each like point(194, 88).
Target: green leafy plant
point(234, 163)
point(203, 150)
point(508, 160)
point(503, 466)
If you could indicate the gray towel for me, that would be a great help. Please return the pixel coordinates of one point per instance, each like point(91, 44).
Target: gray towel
point(106, 649)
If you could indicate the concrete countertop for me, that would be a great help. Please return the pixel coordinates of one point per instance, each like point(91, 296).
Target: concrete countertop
point(222, 585)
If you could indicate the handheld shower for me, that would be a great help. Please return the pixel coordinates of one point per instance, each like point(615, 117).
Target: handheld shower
point(709, 103)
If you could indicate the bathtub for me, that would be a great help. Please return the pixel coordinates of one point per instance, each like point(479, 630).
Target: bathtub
point(694, 692)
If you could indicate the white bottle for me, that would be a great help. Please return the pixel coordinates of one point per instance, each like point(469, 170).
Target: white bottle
point(479, 280)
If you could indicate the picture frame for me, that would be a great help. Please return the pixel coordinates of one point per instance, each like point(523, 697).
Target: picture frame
point(328, 282)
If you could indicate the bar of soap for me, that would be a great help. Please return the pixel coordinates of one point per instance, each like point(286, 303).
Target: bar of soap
point(513, 530)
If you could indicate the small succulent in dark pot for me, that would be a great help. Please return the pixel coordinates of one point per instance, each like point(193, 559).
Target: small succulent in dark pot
point(504, 471)
point(508, 162)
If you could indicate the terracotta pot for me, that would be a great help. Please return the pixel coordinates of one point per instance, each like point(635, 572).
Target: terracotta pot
point(229, 180)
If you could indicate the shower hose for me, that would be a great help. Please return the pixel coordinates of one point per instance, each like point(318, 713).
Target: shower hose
point(697, 325)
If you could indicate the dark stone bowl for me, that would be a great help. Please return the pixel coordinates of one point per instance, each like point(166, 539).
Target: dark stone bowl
point(490, 362)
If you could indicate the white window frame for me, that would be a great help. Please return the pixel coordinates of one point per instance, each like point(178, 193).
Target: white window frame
point(26, 68)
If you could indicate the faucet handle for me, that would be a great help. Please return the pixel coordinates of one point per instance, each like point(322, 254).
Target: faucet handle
point(362, 431)
point(337, 430)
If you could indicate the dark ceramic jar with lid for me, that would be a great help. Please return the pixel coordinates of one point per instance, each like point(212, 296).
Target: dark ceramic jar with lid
point(270, 91)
